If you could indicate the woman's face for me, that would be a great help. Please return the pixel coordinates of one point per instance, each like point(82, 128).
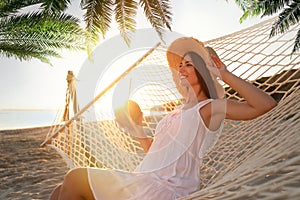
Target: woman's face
point(187, 72)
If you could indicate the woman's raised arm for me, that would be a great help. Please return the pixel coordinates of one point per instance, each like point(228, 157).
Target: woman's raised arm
point(256, 101)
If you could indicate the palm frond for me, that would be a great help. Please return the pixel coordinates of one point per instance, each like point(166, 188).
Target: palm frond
point(98, 18)
point(288, 17)
point(274, 6)
point(55, 6)
point(164, 10)
point(250, 7)
point(27, 52)
point(251, 12)
point(39, 35)
point(49, 31)
point(158, 13)
point(125, 13)
point(9, 7)
point(243, 4)
point(297, 43)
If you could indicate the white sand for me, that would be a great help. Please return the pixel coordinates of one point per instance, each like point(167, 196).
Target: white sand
point(26, 170)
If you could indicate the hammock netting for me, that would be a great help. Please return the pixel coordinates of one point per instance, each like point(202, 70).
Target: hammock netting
point(257, 159)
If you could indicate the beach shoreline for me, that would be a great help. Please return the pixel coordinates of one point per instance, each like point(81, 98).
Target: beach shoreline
point(28, 171)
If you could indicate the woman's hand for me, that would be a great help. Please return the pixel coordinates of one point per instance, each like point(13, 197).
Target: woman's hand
point(218, 63)
point(219, 67)
point(123, 120)
point(256, 101)
point(130, 118)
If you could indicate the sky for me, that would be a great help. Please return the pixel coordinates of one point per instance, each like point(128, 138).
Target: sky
point(36, 85)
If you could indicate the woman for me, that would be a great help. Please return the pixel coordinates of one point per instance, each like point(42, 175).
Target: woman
point(170, 167)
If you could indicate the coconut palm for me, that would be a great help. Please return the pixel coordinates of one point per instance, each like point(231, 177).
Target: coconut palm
point(36, 34)
point(289, 14)
point(99, 15)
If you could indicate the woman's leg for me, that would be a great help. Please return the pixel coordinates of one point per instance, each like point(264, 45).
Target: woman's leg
point(55, 193)
point(75, 186)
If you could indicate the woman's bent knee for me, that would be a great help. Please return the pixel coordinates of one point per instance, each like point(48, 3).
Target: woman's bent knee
point(55, 193)
point(75, 175)
point(76, 180)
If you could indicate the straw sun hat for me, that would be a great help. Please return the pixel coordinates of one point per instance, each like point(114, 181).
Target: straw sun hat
point(181, 46)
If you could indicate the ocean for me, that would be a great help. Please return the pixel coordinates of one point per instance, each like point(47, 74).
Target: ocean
point(15, 119)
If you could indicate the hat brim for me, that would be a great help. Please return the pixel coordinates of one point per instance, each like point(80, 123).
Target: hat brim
point(180, 46)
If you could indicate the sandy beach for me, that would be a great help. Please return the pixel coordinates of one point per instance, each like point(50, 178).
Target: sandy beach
point(28, 171)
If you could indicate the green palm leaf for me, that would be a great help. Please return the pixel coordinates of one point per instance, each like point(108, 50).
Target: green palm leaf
point(27, 52)
point(243, 4)
point(164, 10)
point(274, 6)
point(47, 30)
point(289, 14)
point(250, 8)
point(39, 33)
point(297, 43)
point(98, 15)
point(288, 17)
point(125, 12)
point(98, 18)
point(8, 7)
point(55, 6)
point(158, 13)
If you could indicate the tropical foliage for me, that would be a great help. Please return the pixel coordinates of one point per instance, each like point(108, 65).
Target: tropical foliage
point(289, 14)
point(98, 17)
point(26, 35)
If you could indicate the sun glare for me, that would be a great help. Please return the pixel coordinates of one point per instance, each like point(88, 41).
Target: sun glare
point(120, 85)
point(111, 76)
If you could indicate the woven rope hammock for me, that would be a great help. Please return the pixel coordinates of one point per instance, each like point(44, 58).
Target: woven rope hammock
point(257, 159)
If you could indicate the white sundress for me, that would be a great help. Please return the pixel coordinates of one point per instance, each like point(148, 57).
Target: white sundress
point(171, 167)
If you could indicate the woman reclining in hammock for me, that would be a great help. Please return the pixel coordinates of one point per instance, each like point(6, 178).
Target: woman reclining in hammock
point(170, 168)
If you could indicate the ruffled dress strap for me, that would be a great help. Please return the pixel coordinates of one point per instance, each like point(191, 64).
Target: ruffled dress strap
point(202, 103)
point(210, 137)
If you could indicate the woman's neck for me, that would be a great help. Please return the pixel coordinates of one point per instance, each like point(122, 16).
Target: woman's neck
point(194, 96)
